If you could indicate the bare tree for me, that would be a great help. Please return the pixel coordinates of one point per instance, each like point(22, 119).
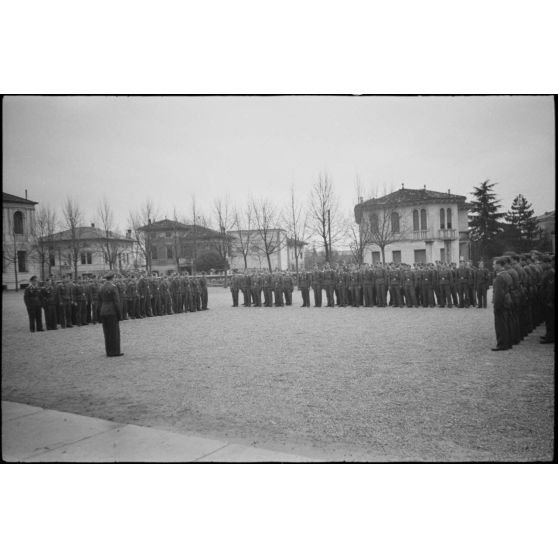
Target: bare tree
point(111, 247)
point(45, 227)
point(243, 221)
point(324, 208)
point(297, 228)
point(225, 220)
point(143, 219)
point(73, 220)
point(268, 227)
point(384, 225)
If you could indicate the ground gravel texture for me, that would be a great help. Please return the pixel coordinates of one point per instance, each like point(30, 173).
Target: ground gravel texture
point(362, 384)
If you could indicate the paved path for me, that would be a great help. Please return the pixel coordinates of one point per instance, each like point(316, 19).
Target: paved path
point(32, 434)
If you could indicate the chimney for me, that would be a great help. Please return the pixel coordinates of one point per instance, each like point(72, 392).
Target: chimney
point(402, 185)
point(92, 225)
point(360, 199)
point(449, 191)
point(425, 186)
point(129, 233)
point(149, 221)
point(25, 193)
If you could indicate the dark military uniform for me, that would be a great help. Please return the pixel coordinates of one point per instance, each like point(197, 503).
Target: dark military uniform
point(235, 287)
point(380, 285)
point(50, 302)
point(33, 299)
point(445, 281)
point(408, 278)
point(317, 280)
point(483, 282)
point(502, 305)
point(278, 289)
point(394, 276)
point(368, 287)
point(288, 287)
point(109, 315)
point(268, 289)
point(304, 280)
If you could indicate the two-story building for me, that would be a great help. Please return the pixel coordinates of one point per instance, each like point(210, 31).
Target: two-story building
point(173, 246)
point(414, 225)
point(97, 251)
point(18, 241)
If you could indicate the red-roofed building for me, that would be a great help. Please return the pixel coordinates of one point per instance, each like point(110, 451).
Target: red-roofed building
point(415, 225)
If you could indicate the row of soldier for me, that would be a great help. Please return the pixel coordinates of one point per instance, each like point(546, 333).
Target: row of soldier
point(368, 285)
point(523, 297)
point(69, 302)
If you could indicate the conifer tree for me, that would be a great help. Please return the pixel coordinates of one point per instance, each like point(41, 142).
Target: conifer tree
point(523, 222)
point(484, 217)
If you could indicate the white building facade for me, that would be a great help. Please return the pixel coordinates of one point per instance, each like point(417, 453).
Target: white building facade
point(19, 262)
point(95, 250)
point(251, 242)
point(415, 226)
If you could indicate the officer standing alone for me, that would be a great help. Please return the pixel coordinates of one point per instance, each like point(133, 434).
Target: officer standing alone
point(109, 315)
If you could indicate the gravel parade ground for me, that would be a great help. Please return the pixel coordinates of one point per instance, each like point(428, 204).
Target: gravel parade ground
point(363, 384)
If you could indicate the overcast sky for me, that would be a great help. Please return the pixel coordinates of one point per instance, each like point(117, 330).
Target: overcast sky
point(168, 149)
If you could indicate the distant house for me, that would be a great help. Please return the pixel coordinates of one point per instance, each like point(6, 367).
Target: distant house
point(414, 225)
point(250, 243)
point(97, 252)
point(547, 223)
point(18, 225)
point(173, 246)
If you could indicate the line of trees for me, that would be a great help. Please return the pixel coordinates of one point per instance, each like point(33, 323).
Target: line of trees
point(493, 231)
point(254, 223)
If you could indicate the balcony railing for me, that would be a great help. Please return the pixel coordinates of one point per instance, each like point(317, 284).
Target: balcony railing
point(422, 235)
point(428, 235)
point(447, 234)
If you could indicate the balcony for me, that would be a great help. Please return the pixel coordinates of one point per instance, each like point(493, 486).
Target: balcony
point(422, 235)
point(447, 234)
point(439, 234)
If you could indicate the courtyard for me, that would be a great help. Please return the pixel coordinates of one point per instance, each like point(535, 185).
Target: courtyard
point(342, 384)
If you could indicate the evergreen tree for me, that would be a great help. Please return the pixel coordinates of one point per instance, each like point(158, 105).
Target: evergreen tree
point(523, 223)
point(484, 218)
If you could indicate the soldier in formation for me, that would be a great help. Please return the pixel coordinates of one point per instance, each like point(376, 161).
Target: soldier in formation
point(276, 287)
point(68, 302)
point(523, 297)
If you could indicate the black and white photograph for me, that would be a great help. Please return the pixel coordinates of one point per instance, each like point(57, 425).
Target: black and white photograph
point(278, 279)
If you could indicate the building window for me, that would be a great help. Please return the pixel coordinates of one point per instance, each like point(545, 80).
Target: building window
point(22, 261)
point(51, 260)
point(442, 218)
point(416, 225)
point(376, 257)
point(423, 226)
point(18, 222)
point(448, 213)
point(154, 252)
point(420, 256)
point(395, 222)
point(86, 258)
point(442, 255)
point(396, 256)
point(168, 234)
point(374, 222)
point(169, 253)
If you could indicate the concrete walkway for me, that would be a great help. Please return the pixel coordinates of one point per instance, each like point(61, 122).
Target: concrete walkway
point(36, 435)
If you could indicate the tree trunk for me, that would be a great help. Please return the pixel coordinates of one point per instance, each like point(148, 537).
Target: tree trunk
point(245, 261)
point(269, 262)
point(383, 249)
